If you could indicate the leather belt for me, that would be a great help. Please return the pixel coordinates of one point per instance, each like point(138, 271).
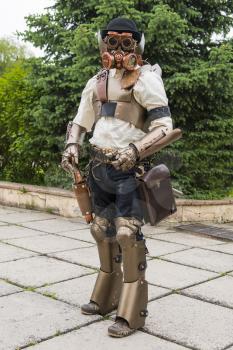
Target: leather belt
point(99, 154)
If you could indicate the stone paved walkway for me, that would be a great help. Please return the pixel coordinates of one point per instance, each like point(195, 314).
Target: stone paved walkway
point(48, 266)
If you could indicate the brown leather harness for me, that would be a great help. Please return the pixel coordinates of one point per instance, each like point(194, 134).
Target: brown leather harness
point(117, 100)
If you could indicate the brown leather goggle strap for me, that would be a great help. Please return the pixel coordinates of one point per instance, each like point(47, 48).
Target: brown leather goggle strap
point(102, 82)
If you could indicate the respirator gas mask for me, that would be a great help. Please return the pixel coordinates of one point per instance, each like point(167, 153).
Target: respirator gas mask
point(119, 51)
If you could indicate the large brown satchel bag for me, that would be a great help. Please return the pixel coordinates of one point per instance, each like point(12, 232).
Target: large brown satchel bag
point(156, 193)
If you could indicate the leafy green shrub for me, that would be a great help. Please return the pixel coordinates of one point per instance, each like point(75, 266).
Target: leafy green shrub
point(197, 71)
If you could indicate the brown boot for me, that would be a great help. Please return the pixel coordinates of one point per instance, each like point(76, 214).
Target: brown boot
point(120, 329)
point(90, 309)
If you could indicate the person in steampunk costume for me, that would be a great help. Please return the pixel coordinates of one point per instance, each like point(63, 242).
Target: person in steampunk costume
point(126, 107)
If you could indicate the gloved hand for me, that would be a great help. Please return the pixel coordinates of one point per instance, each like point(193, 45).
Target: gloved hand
point(70, 157)
point(126, 158)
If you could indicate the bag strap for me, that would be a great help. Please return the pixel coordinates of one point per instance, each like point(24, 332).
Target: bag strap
point(102, 82)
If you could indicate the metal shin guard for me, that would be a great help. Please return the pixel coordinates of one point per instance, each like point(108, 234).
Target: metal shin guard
point(134, 296)
point(108, 285)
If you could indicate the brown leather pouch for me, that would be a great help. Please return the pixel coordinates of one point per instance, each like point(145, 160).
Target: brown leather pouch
point(156, 193)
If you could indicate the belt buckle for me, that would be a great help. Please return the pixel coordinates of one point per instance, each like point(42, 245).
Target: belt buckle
point(140, 171)
point(100, 154)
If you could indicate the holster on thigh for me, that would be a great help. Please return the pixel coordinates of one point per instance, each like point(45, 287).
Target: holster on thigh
point(134, 296)
point(108, 284)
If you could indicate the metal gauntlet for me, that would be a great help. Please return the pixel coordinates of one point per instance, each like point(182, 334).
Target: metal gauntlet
point(144, 146)
point(155, 140)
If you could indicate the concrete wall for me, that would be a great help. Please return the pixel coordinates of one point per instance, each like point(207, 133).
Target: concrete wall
point(63, 202)
point(52, 200)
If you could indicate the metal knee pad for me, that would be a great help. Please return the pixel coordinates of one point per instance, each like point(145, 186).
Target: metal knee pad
point(134, 295)
point(107, 247)
point(99, 228)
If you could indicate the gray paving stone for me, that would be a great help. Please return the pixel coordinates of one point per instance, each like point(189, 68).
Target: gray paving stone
point(13, 231)
point(95, 337)
point(77, 220)
point(78, 290)
point(157, 248)
point(82, 234)
point(191, 322)
point(48, 243)
point(8, 253)
point(7, 288)
point(204, 259)
point(155, 292)
point(29, 317)
point(174, 276)
point(156, 230)
point(26, 216)
point(38, 271)
point(3, 224)
point(85, 256)
point(218, 291)
point(186, 320)
point(5, 210)
point(189, 239)
point(224, 248)
point(227, 225)
point(53, 225)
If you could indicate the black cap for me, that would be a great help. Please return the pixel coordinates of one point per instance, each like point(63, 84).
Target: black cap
point(122, 25)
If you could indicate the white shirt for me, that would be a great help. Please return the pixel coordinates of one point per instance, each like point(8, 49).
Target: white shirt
point(111, 132)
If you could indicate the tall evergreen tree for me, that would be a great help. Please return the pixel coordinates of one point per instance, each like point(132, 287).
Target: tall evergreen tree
point(197, 70)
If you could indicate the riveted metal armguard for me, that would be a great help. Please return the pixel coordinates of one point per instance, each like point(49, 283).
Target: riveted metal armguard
point(155, 140)
point(74, 134)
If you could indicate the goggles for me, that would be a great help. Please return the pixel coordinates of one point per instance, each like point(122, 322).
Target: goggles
point(113, 40)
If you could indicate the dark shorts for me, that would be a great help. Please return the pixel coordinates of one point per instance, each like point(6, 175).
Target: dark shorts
point(114, 193)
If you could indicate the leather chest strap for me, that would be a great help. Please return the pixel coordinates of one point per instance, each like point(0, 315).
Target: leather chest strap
point(102, 82)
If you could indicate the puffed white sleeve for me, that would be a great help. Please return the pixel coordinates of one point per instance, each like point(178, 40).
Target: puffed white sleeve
point(85, 116)
point(149, 92)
